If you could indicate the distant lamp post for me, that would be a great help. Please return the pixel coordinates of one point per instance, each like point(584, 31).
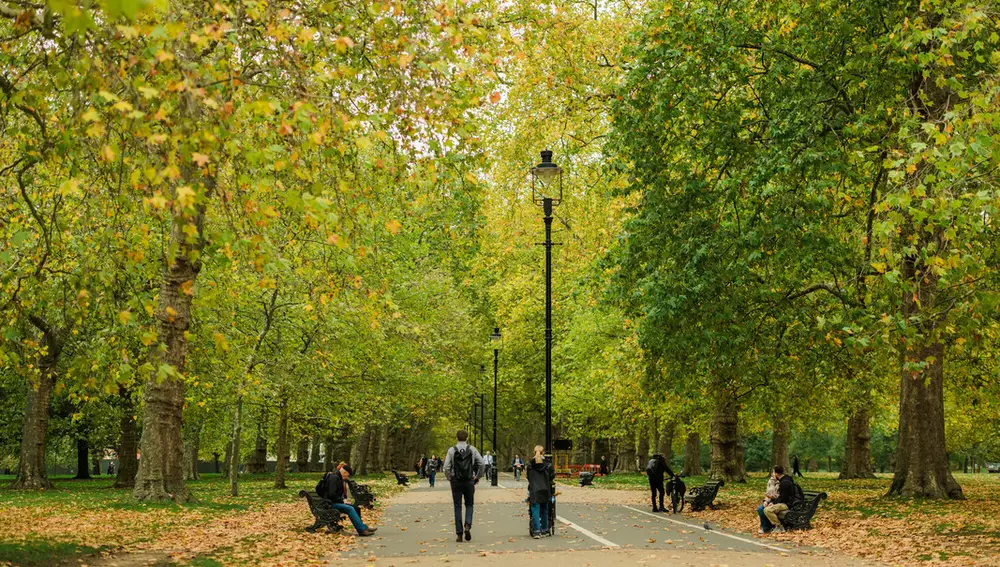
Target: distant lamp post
point(495, 338)
point(546, 190)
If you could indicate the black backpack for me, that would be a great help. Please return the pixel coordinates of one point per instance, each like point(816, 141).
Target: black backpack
point(321, 486)
point(799, 495)
point(462, 464)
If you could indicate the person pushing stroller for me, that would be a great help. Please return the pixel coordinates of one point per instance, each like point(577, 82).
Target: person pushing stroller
point(541, 478)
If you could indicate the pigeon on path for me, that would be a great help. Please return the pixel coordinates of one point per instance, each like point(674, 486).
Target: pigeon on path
point(708, 528)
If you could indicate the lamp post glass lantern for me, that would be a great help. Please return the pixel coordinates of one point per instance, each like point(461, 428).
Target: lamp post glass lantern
point(546, 190)
point(495, 338)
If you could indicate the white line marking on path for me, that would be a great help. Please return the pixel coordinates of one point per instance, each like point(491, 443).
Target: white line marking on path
point(731, 536)
point(587, 533)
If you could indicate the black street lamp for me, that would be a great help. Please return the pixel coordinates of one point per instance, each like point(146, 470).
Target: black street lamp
point(495, 338)
point(546, 190)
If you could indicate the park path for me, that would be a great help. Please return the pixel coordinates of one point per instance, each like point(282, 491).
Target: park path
point(596, 527)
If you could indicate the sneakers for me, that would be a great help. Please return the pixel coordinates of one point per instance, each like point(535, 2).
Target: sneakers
point(536, 536)
point(468, 532)
point(779, 530)
point(459, 538)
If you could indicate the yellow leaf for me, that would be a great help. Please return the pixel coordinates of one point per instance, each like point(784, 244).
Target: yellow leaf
point(200, 159)
point(393, 226)
point(185, 196)
point(124, 317)
point(404, 60)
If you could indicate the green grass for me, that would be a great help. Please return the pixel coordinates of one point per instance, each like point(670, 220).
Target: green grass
point(41, 552)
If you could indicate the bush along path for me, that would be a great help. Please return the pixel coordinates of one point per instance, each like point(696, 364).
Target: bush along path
point(857, 519)
point(93, 524)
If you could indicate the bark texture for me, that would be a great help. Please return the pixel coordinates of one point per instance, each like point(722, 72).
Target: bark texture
point(161, 463)
point(34, 429)
point(282, 448)
point(314, 455)
point(779, 443)
point(128, 465)
point(257, 463)
point(727, 447)
point(302, 455)
point(857, 449)
point(666, 439)
point(692, 454)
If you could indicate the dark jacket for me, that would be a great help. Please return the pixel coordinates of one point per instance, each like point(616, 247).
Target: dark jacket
point(658, 466)
point(335, 487)
point(540, 479)
point(786, 491)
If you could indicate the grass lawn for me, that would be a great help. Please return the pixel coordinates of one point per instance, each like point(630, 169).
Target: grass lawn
point(82, 519)
point(859, 520)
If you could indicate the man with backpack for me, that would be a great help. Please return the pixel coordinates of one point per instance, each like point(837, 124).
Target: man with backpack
point(655, 470)
point(463, 466)
point(788, 494)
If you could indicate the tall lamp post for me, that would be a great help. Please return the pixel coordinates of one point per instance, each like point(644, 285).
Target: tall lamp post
point(495, 338)
point(482, 409)
point(546, 190)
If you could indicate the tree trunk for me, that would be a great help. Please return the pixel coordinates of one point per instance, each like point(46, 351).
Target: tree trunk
point(302, 455)
point(31, 469)
point(627, 451)
point(373, 452)
point(692, 454)
point(385, 451)
point(666, 439)
point(228, 458)
point(857, 449)
point(727, 449)
point(257, 463)
point(314, 456)
point(642, 451)
point(95, 459)
point(82, 459)
point(161, 466)
point(921, 462)
point(779, 443)
point(328, 463)
point(362, 450)
point(234, 461)
point(127, 463)
point(282, 446)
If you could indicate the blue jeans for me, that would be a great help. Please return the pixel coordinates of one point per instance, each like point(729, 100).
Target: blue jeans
point(431, 475)
point(765, 524)
point(352, 513)
point(539, 517)
point(460, 490)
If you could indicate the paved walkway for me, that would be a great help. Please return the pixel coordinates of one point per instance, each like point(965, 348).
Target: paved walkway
point(598, 527)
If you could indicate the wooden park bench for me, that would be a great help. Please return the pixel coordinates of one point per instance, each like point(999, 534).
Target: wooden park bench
point(362, 495)
point(324, 512)
point(401, 478)
point(797, 517)
point(703, 496)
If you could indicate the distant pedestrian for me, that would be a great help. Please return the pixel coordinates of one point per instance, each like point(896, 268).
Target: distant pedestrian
point(795, 467)
point(517, 465)
point(463, 466)
point(604, 466)
point(111, 468)
point(489, 460)
point(432, 469)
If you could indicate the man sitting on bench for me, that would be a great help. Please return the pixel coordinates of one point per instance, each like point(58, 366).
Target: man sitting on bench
point(336, 491)
point(768, 513)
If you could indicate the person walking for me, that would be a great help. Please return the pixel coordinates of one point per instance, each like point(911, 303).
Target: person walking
point(541, 476)
point(517, 466)
point(463, 466)
point(432, 469)
point(489, 459)
point(604, 466)
point(795, 467)
point(656, 468)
